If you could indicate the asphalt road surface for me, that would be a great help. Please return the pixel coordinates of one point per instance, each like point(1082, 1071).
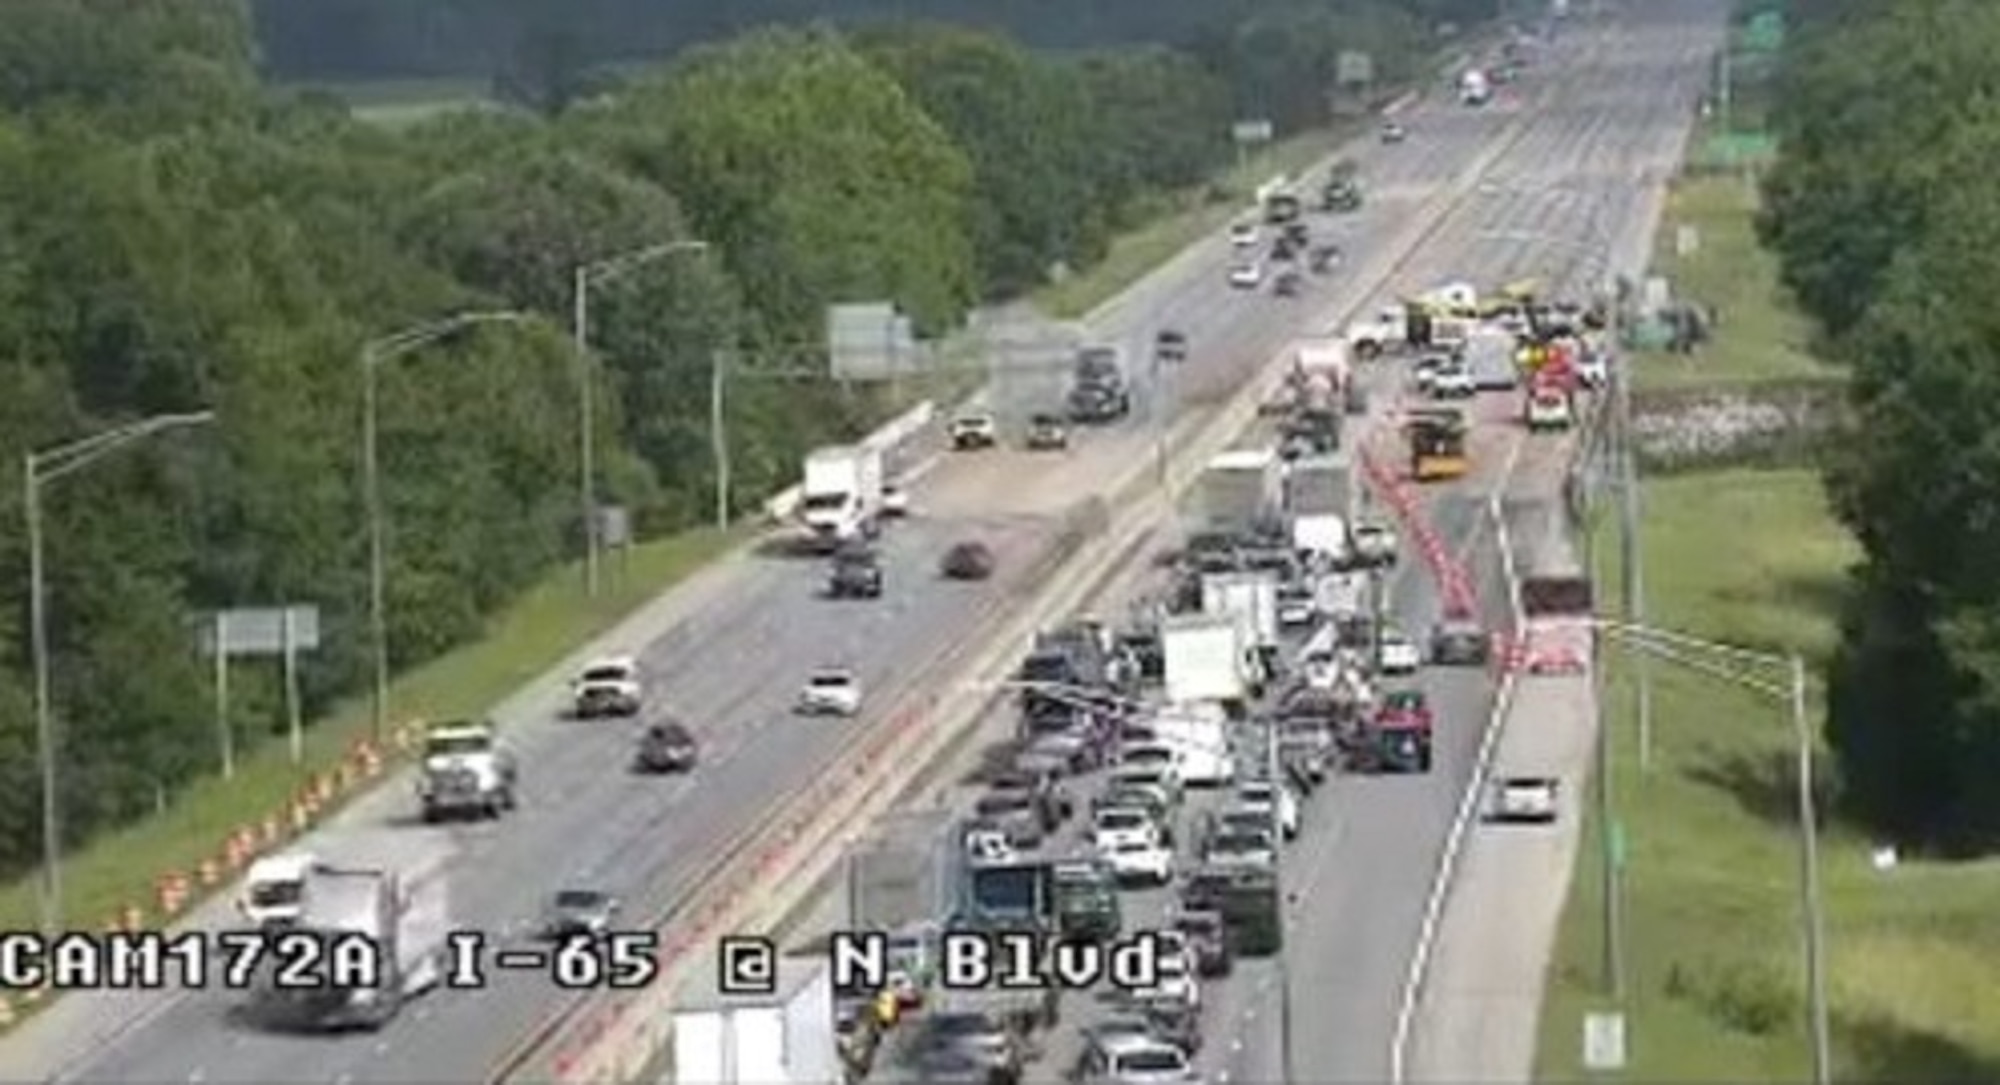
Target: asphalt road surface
point(731, 670)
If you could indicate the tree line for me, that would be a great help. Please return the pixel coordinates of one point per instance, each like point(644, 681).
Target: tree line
point(176, 235)
point(1883, 211)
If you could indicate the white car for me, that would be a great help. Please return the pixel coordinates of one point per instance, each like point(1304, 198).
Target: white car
point(1452, 380)
point(895, 501)
point(1549, 409)
point(1157, 756)
point(1375, 544)
point(1151, 863)
point(1296, 608)
point(970, 431)
point(1176, 983)
point(1246, 276)
point(1243, 235)
point(1140, 1060)
point(1275, 800)
point(608, 686)
point(1117, 825)
point(1593, 368)
point(830, 691)
point(1400, 655)
point(1526, 798)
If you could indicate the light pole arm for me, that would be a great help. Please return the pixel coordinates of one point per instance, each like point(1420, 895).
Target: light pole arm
point(51, 464)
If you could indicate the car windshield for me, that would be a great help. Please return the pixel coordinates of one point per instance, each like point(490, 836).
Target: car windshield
point(1201, 924)
point(830, 680)
point(1238, 840)
point(1152, 1060)
point(1245, 821)
point(606, 674)
point(961, 1024)
point(1142, 777)
point(1405, 700)
point(277, 894)
point(1121, 819)
point(455, 745)
point(577, 900)
point(1148, 755)
point(1130, 847)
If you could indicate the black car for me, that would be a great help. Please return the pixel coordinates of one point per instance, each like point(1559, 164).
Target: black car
point(1459, 643)
point(1099, 401)
point(1170, 346)
point(666, 747)
point(968, 560)
point(856, 574)
point(1324, 258)
point(1209, 939)
point(1288, 285)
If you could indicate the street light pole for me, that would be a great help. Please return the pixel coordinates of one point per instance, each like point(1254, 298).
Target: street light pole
point(581, 281)
point(37, 470)
point(1677, 647)
point(373, 355)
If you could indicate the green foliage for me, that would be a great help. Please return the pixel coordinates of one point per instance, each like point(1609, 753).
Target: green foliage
point(173, 237)
point(1883, 212)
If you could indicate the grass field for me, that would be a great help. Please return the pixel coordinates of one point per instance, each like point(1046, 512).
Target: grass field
point(1760, 335)
point(545, 624)
point(1714, 963)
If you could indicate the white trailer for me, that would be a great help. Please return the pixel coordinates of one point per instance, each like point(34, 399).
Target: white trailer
point(404, 924)
point(1199, 731)
point(1251, 599)
point(786, 1038)
point(1241, 490)
point(1205, 659)
point(1321, 535)
point(1324, 356)
point(1489, 354)
point(841, 498)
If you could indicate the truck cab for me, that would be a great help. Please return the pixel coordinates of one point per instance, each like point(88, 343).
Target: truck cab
point(274, 890)
point(466, 771)
point(1086, 899)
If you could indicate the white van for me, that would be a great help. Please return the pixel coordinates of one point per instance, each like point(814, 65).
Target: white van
point(274, 891)
point(1200, 731)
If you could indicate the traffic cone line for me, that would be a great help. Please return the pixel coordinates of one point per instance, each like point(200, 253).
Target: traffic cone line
point(209, 872)
point(131, 919)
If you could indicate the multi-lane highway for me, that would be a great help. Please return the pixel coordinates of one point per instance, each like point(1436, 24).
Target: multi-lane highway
point(1572, 198)
point(729, 661)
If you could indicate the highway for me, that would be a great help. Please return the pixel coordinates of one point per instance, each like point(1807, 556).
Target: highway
point(1583, 178)
point(728, 663)
point(731, 664)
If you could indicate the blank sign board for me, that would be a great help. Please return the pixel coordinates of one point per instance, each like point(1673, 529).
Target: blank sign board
point(259, 631)
point(869, 341)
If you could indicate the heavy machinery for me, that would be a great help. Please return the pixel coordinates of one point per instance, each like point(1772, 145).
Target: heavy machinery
point(1437, 444)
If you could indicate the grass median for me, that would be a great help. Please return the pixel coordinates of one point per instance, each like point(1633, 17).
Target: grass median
point(548, 622)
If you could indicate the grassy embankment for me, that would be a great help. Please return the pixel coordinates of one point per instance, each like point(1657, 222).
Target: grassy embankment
point(1714, 962)
point(547, 623)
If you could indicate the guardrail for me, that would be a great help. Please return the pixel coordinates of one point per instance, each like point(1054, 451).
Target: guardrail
point(621, 1040)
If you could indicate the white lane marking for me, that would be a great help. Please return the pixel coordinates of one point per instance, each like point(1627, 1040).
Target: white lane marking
point(1420, 955)
point(1236, 1046)
point(343, 1079)
point(199, 1073)
point(381, 1047)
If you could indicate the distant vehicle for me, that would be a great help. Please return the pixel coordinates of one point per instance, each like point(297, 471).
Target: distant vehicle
point(1247, 276)
point(1284, 250)
point(1289, 285)
point(1452, 379)
point(830, 691)
point(1176, 984)
point(1207, 939)
point(1137, 1060)
point(1116, 825)
point(1459, 643)
point(608, 686)
point(579, 913)
point(856, 573)
point(968, 560)
point(1170, 345)
point(1399, 653)
point(1296, 607)
point(1243, 235)
point(1407, 708)
point(1548, 409)
point(1324, 258)
point(1147, 862)
point(1275, 799)
point(1098, 403)
point(1593, 368)
point(895, 501)
point(1393, 132)
point(1281, 208)
point(1526, 799)
point(1374, 544)
point(972, 431)
point(666, 747)
point(1047, 433)
point(1341, 195)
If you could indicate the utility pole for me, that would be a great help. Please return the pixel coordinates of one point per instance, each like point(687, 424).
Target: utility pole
point(1605, 451)
point(1812, 907)
point(38, 469)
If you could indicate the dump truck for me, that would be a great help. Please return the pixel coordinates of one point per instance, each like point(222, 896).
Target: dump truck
point(1437, 444)
point(465, 771)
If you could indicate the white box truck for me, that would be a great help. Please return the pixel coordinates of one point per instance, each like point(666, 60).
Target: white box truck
point(405, 923)
point(1205, 659)
point(1241, 490)
point(785, 1038)
point(1321, 536)
point(1199, 731)
point(841, 499)
point(1489, 354)
point(1251, 599)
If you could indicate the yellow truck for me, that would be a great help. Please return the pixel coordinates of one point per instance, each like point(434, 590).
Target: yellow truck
point(1437, 444)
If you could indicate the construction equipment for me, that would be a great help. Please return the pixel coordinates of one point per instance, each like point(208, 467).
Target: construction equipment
point(1437, 444)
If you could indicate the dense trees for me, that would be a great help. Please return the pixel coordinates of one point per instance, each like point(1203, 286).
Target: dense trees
point(1883, 211)
point(175, 235)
